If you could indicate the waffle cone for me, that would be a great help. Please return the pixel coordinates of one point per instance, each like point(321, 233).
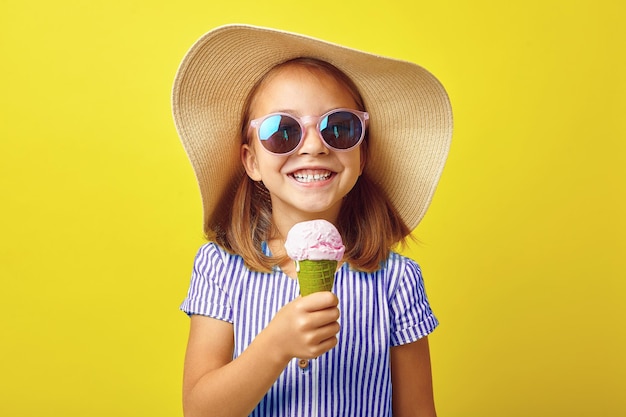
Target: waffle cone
point(314, 276)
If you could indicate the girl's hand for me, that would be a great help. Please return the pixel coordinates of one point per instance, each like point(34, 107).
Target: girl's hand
point(307, 327)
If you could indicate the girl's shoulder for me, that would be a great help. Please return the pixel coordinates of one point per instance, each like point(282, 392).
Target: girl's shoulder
point(213, 256)
point(396, 262)
point(399, 271)
point(212, 249)
point(395, 265)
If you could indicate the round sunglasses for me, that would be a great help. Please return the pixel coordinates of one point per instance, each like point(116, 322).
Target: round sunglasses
point(282, 133)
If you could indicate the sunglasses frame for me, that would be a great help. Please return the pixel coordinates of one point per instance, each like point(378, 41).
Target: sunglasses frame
point(305, 121)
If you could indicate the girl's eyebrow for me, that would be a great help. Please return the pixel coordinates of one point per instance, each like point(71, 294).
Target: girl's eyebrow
point(288, 111)
point(297, 113)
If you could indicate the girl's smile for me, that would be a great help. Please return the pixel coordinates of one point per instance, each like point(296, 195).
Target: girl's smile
point(311, 176)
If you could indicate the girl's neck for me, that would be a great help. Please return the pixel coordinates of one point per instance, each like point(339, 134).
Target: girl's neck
point(277, 248)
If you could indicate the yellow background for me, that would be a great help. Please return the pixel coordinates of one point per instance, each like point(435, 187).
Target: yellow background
point(523, 248)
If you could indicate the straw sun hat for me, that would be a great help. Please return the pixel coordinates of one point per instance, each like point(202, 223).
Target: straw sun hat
point(410, 115)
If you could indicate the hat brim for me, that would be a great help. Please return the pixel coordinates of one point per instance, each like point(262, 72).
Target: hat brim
point(410, 114)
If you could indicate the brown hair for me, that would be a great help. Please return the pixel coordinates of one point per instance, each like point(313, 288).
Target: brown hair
point(368, 223)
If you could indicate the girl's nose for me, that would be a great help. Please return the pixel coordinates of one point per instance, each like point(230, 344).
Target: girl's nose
point(312, 142)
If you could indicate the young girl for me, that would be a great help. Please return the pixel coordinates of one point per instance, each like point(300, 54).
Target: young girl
point(281, 128)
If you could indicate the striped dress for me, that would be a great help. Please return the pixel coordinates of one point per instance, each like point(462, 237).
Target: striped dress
point(378, 310)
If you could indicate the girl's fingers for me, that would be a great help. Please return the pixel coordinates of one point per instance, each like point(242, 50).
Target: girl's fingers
point(321, 318)
point(326, 339)
point(318, 301)
point(321, 334)
point(309, 325)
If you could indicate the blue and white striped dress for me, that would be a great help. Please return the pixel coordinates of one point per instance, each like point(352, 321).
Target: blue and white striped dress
point(378, 310)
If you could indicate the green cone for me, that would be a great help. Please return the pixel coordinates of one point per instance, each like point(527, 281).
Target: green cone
point(315, 276)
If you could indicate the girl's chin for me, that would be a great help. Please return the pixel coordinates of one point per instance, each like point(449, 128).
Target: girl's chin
point(307, 207)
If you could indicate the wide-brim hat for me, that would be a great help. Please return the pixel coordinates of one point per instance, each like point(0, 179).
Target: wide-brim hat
point(410, 125)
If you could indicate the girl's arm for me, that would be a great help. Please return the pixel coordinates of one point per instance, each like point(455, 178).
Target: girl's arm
point(411, 379)
point(216, 385)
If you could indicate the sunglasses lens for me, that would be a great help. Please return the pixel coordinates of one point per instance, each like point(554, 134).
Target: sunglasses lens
point(280, 133)
point(341, 129)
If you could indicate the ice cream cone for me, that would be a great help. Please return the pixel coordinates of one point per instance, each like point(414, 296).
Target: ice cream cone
point(315, 276)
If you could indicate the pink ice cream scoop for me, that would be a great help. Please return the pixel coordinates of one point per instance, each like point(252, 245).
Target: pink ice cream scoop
point(316, 247)
point(314, 240)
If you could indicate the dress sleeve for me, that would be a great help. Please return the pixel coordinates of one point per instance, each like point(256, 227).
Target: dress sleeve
point(206, 295)
point(411, 315)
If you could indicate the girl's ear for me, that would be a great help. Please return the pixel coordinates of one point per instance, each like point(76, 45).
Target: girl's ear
point(249, 161)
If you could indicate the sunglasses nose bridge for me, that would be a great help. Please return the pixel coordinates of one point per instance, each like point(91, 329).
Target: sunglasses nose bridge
point(308, 120)
point(310, 129)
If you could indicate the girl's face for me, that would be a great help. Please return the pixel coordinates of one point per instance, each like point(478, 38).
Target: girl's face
point(311, 182)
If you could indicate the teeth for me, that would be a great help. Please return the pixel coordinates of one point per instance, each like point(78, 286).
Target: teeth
point(311, 177)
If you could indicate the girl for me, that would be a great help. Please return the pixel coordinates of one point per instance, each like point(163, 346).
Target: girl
point(282, 128)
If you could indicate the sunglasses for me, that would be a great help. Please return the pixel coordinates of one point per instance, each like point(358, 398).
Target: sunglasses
point(282, 133)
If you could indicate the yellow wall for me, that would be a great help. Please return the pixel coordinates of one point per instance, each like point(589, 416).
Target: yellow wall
point(523, 248)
